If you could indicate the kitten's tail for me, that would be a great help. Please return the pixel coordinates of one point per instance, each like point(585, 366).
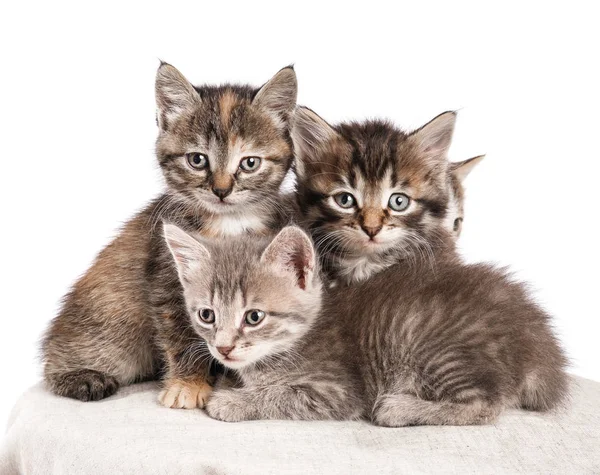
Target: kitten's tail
point(547, 387)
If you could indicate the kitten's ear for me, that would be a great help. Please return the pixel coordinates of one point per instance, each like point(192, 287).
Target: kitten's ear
point(309, 131)
point(435, 137)
point(461, 169)
point(189, 254)
point(291, 252)
point(279, 94)
point(174, 94)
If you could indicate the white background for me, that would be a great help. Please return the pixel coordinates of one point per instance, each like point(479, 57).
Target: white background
point(78, 128)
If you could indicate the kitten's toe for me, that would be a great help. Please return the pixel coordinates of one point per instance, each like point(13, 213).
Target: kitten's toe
point(85, 385)
point(179, 394)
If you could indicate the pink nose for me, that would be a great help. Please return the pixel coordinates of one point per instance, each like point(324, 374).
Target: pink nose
point(225, 350)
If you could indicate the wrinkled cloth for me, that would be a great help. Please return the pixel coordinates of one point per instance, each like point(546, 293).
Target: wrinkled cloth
point(130, 433)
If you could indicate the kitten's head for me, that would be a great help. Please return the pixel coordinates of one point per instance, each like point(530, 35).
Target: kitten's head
point(224, 148)
point(456, 206)
point(247, 297)
point(370, 190)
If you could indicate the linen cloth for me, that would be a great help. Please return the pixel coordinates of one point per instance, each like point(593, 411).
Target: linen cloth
point(130, 433)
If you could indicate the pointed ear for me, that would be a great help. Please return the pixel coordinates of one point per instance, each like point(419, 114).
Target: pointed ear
point(291, 252)
point(174, 95)
point(189, 254)
point(435, 137)
point(461, 169)
point(309, 131)
point(279, 94)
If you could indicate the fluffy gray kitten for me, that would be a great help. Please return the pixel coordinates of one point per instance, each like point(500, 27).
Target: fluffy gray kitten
point(445, 344)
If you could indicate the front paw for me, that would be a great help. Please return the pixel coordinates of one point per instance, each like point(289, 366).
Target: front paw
point(183, 394)
point(226, 405)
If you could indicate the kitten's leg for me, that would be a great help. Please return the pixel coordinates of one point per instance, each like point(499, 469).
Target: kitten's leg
point(187, 380)
point(83, 384)
point(88, 359)
point(300, 402)
point(398, 410)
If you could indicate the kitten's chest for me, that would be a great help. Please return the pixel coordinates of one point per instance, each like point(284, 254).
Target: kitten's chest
point(233, 225)
point(357, 269)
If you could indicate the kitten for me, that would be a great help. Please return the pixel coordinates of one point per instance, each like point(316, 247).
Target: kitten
point(371, 194)
point(455, 213)
point(224, 152)
point(412, 345)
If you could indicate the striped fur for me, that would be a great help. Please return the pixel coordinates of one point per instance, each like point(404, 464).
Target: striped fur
point(452, 344)
point(125, 319)
point(373, 161)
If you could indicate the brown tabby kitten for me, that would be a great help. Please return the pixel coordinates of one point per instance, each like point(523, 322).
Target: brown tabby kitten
point(224, 152)
point(372, 194)
point(451, 344)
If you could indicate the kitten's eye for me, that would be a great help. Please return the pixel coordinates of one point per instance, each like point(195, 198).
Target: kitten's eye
point(198, 161)
point(206, 315)
point(457, 224)
point(345, 200)
point(254, 317)
point(399, 201)
point(250, 164)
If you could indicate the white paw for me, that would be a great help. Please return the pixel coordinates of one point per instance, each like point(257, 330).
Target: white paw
point(179, 394)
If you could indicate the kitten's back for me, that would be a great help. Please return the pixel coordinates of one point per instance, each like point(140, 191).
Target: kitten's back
point(454, 332)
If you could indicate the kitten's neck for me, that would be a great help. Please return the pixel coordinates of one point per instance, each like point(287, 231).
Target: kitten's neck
point(353, 269)
point(347, 268)
point(261, 219)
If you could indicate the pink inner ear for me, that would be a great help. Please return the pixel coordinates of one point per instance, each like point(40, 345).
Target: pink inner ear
point(300, 265)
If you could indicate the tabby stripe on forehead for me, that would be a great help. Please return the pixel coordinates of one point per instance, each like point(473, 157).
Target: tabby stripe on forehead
point(227, 102)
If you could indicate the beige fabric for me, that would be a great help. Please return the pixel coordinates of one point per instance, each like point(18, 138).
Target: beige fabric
point(130, 433)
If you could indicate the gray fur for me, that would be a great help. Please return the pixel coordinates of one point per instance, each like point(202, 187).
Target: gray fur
point(445, 344)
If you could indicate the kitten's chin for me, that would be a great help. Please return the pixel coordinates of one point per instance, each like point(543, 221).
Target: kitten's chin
point(217, 206)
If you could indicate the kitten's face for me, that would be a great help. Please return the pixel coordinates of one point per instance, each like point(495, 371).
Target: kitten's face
point(369, 188)
point(225, 149)
point(247, 301)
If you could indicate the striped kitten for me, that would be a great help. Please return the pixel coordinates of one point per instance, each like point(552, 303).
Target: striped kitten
point(224, 152)
point(412, 345)
point(372, 194)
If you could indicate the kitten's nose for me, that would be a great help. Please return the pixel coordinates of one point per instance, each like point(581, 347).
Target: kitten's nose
point(371, 231)
point(221, 192)
point(225, 350)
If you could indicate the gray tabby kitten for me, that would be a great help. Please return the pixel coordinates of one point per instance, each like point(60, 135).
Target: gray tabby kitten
point(455, 344)
point(224, 152)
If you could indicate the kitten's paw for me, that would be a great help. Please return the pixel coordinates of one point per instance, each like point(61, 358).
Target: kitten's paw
point(181, 394)
point(84, 384)
point(225, 406)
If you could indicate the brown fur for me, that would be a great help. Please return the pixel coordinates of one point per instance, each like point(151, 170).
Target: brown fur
point(124, 320)
point(374, 161)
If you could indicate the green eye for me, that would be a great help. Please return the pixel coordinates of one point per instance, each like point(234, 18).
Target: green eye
point(250, 164)
point(254, 317)
point(399, 202)
point(206, 315)
point(345, 200)
point(198, 161)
